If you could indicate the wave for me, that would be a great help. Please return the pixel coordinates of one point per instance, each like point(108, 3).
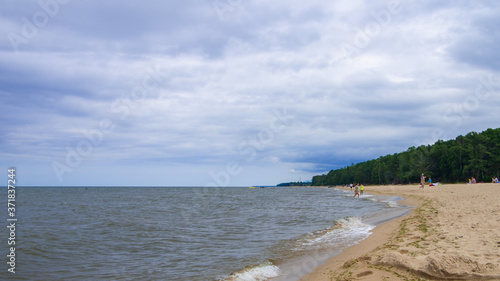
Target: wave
point(344, 233)
point(393, 204)
point(261, 272)
point(389, 202)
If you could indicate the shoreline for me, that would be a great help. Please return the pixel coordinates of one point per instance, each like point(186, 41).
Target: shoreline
point(295, 268)
point(452, 233)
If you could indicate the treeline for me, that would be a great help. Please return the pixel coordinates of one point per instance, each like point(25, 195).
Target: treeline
point(474, 155)
point(297, 183)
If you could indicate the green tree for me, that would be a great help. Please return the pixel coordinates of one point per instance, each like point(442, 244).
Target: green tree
point(476, 154)
point(406, 173)
point(422, 161)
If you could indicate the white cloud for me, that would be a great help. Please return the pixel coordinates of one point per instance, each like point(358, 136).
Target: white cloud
point(219, 83)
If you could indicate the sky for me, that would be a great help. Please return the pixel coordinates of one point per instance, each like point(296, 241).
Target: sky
point(236, 92)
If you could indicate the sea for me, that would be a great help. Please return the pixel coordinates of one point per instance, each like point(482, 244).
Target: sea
point(185, 233)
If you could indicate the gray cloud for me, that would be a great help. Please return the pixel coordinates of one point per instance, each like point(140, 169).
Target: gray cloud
point(221, 78)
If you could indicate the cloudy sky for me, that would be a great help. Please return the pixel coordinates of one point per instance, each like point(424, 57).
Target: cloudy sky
point(236, 92)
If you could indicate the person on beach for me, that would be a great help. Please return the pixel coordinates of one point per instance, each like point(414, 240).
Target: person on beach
point(495, 180)
point(361, 189)
point(356, 191)
point(422, 181)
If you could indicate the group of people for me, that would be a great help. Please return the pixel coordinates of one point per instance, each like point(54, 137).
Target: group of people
point(471, 181)
point(358, 189)
point(422, 181)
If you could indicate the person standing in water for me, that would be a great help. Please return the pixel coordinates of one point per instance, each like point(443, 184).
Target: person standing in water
point(356, 191)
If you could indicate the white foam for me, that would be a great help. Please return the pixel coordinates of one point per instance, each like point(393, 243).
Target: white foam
point(261, 272)
point(392, 204)
point(346, 232)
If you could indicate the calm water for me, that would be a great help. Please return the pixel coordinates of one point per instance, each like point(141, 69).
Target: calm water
point(185, 233)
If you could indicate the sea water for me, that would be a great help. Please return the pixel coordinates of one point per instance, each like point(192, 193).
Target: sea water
point(185, 233)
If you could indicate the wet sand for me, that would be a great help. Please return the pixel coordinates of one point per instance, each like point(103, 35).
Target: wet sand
point(452, 234)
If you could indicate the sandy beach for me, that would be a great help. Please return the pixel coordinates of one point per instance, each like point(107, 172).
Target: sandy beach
point(452, 234)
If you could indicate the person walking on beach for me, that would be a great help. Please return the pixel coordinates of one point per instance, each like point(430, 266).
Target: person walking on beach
point(361, 188)
point(356, 191)
point(422, 180)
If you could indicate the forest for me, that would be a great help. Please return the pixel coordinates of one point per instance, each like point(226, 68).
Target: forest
point(453, 161)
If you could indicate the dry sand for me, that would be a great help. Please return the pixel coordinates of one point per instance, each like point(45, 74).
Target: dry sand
point(452, 234)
